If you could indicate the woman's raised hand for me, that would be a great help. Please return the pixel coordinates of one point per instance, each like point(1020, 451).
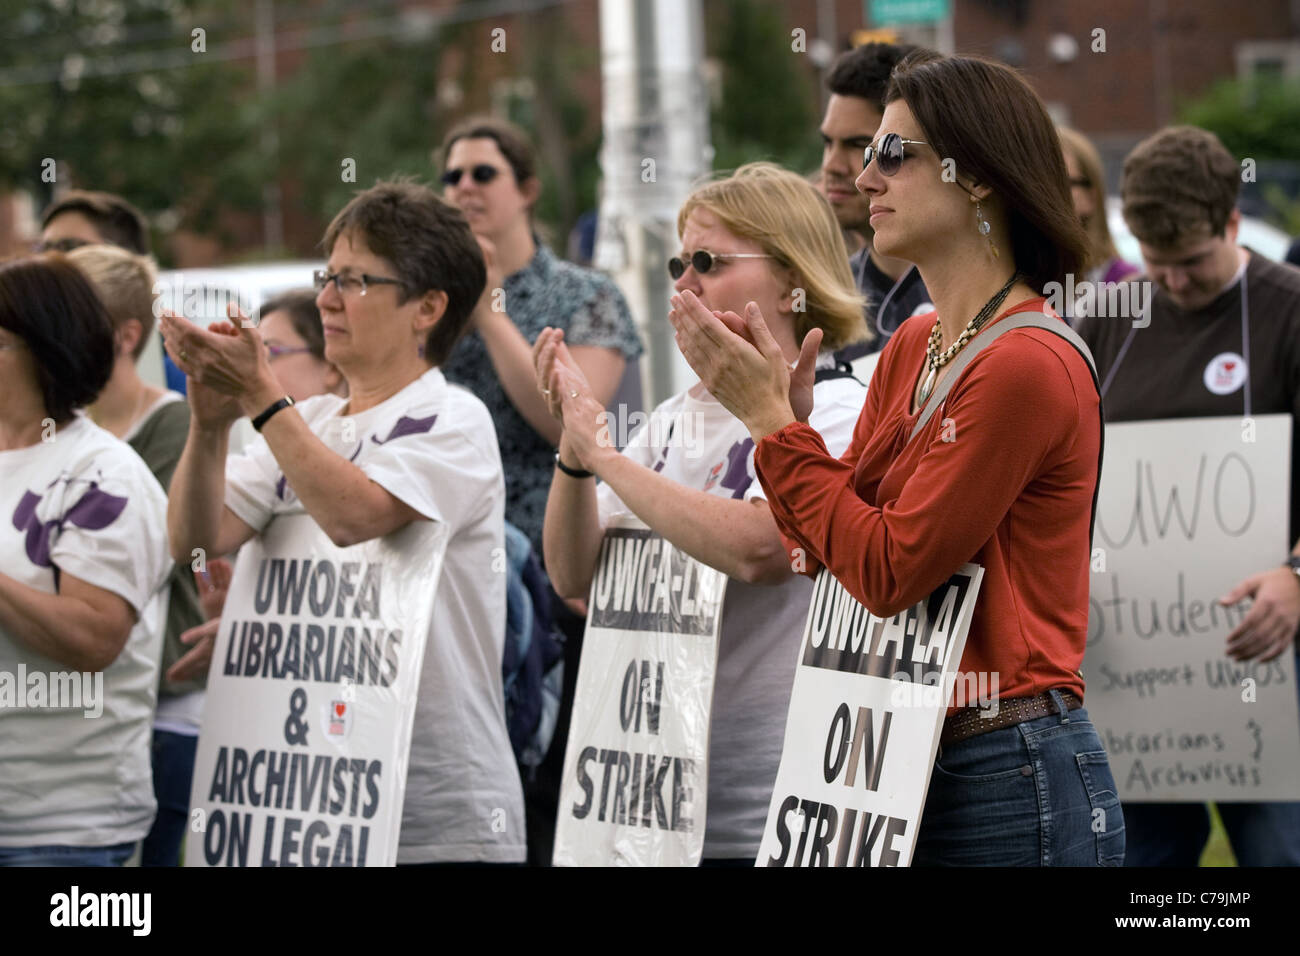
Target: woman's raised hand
point(742, 365)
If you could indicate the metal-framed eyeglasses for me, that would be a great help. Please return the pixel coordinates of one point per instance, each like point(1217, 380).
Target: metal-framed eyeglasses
point(889, 153)
point(702, 261)
point(350, 282)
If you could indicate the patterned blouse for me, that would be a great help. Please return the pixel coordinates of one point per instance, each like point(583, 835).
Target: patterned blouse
point(590, 309)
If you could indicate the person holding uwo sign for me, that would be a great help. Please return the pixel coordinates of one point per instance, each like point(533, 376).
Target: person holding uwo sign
point(762, 233)
point(1222, 338)
point(83, 572)
point(967, 181)
point(404, 273)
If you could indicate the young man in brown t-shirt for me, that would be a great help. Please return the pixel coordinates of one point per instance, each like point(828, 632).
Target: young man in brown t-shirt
point(1221, 337)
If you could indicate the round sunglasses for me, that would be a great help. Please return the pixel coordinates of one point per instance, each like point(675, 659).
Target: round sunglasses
point(481, 174)
point(889, 154)
point(702, 261)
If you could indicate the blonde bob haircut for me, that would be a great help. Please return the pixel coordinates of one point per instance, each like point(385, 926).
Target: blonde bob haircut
point(124, 282)
point(793, 222)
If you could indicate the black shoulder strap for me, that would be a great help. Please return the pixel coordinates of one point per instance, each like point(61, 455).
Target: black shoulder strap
point(840, 370)
point(1022, 320)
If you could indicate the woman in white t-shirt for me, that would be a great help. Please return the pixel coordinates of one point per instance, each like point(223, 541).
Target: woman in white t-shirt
point(404, 273)
point(762, 234)
point(83, 567)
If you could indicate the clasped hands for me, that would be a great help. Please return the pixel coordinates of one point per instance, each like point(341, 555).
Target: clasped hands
point(741, 364)
point(226, 365)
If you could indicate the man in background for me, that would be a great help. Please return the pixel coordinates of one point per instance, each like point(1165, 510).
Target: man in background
point(857, 82)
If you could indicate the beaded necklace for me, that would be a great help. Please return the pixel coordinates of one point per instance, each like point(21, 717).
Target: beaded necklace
point(936, 360)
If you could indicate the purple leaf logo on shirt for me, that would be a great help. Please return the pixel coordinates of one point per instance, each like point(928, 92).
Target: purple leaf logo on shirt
point(93, 511)
point(736, 477)
point(407, 426)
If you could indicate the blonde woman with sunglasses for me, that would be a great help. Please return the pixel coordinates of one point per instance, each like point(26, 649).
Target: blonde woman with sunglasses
point(766, 234)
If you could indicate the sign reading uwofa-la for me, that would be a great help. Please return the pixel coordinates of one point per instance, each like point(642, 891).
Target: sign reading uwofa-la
point(1189, 508)
point(311, 696)
point(636, 765)
point(867, 708)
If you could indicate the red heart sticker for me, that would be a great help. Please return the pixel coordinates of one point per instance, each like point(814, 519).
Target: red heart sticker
point(1229, 366)
point(339, 708)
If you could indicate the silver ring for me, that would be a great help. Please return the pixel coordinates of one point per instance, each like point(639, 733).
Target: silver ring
point(546, 391)
point(573, 395)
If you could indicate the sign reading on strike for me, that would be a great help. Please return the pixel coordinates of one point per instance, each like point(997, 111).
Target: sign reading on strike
point(312, 689)
point(636, 766)
point(1189, 508)
point(868, 704)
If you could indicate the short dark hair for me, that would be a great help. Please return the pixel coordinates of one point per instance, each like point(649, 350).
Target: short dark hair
point(864, 71)
point(116, 220)
point(989, 121)
point(429, 245)
point(300, 306)
point(50, 304)
point(1178, 182)
point(513, 142)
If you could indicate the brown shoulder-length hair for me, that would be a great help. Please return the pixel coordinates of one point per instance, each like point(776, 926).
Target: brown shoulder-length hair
point(987, 119)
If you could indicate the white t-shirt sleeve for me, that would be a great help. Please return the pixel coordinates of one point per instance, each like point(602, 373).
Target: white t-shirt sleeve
point(837, 405)
point(114, 532)
point(443, 474)
point(251, 484)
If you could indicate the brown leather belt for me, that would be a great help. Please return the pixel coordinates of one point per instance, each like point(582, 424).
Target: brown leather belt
point(973, 721)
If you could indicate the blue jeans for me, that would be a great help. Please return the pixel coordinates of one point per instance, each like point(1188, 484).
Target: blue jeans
point(66, 855)
point(173, 770)
point(1039, 793)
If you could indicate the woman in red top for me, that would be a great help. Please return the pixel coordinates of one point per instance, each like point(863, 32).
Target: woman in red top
point(966, 180)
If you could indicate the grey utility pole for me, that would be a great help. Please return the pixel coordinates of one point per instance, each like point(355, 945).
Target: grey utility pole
point(656, 144)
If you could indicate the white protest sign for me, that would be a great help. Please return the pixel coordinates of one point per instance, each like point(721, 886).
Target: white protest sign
point(866, 712)
point(1188, 508)
point(311, 693)
point(636, 765)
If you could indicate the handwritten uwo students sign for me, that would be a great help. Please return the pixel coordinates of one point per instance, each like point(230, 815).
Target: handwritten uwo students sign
point(867, 708)
point(636, 765)
point(307, 724)
point(1189, 508)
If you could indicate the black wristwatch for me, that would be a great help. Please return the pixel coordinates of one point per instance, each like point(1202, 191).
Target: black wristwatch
point(1293, 562)
point(572, 472)
point(265, 417)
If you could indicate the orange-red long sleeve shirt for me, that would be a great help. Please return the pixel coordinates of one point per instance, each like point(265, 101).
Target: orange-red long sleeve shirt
point(1002, 475)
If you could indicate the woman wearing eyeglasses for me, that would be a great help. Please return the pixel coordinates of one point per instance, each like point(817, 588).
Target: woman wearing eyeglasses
point(765, 234)
point(404, 273)
point(290, 326)
point(966, 180)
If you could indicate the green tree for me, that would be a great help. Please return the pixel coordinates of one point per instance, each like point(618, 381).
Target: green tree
point(1259, 117)
point(768, 105)
point(116, 94)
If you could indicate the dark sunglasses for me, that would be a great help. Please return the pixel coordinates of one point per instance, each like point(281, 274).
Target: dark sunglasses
point(702, 260)
point(889, 154)
point(481, 174)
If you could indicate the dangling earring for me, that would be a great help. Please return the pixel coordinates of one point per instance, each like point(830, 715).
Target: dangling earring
point(984, 227)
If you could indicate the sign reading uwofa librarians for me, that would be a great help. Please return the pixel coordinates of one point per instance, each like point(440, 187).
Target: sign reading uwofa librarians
point(636, 765)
